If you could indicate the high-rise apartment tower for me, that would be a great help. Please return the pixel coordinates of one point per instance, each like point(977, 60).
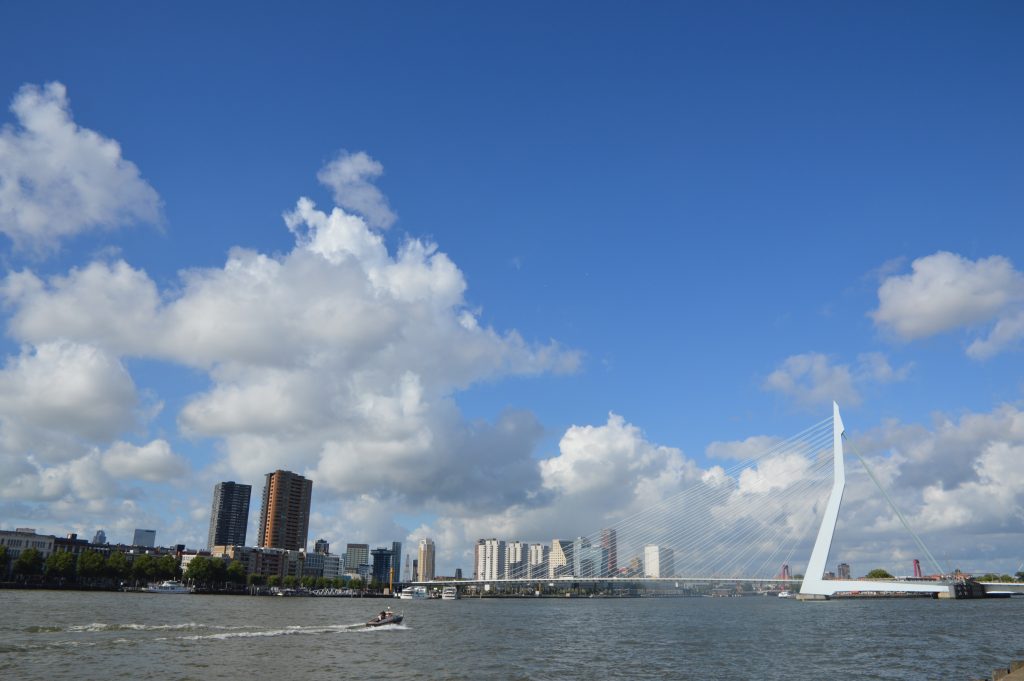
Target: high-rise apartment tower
point(229, 516)
point(425, 561)
point(284, 516)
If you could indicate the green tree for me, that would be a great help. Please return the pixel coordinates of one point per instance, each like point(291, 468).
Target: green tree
point(218, 571)
point(166, 567)
point(60, 565)
point(236, 572)
point(256, 580)
point(29, 563)
point(879, 573)
point(5, 560)
point(144, 568)
point(291, 581)
point(118, 568)
point(273, 580)
point(308, 581)
point(90, 566)
point(198, 571)
point(1018, 575)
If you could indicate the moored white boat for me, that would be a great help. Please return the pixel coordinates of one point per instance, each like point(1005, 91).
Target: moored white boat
point(449, 593)
point(171, 586)
point(785, 594)
point(413, 592)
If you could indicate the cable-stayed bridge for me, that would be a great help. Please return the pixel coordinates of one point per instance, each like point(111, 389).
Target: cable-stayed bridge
point(748, 522)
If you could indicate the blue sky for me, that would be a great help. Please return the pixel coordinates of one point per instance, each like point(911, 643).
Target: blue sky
point(687, 211)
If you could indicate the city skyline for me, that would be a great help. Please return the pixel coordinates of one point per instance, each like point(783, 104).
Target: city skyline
point(510, 277)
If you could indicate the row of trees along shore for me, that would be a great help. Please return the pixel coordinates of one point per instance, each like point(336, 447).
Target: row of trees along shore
point(91, 569)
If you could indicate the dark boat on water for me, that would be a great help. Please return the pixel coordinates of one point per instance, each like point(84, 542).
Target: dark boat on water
point(385, 617)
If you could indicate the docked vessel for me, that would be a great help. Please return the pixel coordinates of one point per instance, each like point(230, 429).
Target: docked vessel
point(413, 592)
point(171, 586)
point(449, 593)
point(785, 594)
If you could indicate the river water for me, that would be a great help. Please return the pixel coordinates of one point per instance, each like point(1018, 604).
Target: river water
point(81, 636)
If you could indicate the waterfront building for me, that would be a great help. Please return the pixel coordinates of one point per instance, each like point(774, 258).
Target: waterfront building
point(314, 565)
point(332, 566)
point(356, 555)
point(284, 514)
point(409, 575)
point(609, 544)
point(516, 553)
point(229, 514)
point(415, 569)
point(426, 560)
point(145, 538)
point(538, 561)
point(364, 571)
point(490, 559)
point(843, 572)
point(99, 538)
point(70, 544)
point(659, 561)
point(560, 561)
point(22, 539)
point(396, 559)
point(322, 546)
point(383, 562)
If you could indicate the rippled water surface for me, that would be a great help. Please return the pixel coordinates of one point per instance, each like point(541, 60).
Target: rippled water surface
point(74, 635)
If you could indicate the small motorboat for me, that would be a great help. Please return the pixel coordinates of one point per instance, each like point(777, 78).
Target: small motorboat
point(785, 594)
point(385, 617)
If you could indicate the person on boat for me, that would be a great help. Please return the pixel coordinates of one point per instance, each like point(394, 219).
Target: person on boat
point(382, 616)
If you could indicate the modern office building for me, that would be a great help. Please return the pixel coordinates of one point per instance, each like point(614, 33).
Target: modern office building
point(383, 562)
point(425, 560)
point(490, 559)
point(229, 515)
point(609, 543)
point(587, 560)
point(396, 559)
point(659, 561)
point(284, 515)
point(322, 546)
point(356, 555)
point(99, 538)
point(145, 538)
point(844, 571)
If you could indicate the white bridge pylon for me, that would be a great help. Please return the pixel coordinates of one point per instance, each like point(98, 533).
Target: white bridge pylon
point(814, 585)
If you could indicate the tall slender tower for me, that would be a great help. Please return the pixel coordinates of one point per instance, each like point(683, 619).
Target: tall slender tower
point(426, 560)
point(284, 516)
point(229, 517)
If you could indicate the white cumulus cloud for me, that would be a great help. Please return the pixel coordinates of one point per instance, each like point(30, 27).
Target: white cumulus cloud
point(946, 291)
point(812, 379)
point(350, 176)
point(58, 179)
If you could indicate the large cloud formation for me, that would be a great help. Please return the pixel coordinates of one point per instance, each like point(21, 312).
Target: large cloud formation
point(946, 291)
point(58, 179)
point(338, 359)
